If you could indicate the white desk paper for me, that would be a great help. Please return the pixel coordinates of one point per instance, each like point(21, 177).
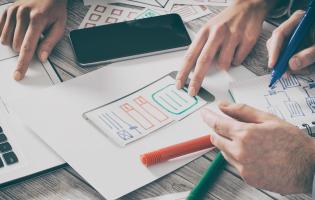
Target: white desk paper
point(144, 112)
point(112, 170)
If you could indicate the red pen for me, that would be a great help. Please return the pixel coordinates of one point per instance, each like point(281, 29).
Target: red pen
point(177, 150)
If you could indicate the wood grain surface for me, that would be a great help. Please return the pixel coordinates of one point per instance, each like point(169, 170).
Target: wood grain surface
point(66, 184)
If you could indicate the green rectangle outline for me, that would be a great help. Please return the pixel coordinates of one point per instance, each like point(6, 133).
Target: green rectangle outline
point(154, 99)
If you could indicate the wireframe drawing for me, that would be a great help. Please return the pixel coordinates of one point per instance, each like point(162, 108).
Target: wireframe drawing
point(283, 100)
point(310, 99)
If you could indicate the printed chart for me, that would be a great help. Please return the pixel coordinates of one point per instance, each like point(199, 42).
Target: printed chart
point(294, 95)
point(143, 112)
point(291, 99)
point(163, 5)
point(101, 14)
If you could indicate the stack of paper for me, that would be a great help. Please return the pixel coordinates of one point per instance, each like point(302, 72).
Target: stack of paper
point(112, 11)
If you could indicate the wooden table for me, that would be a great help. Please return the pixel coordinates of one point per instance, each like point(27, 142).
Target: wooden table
point(66, 184)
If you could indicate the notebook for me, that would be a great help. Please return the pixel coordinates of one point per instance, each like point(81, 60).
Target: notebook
point(292, 98)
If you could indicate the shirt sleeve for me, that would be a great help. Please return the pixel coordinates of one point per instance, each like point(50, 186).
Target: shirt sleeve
point(313, 190)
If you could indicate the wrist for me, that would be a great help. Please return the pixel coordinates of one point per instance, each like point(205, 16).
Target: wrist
point(305, 166)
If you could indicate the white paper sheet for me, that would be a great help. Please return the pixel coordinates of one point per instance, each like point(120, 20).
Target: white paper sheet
point(101, 14)
point(189, 13)
point(175, 196)
point(93, 2)
point(36, 78)
point(153, 107)
point(148, 12)
point(292, 98)
point(6, 52)
point(112, 170)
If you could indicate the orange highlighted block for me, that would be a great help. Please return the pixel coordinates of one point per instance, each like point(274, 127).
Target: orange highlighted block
point(152, 110)
point(137, 116)
point(126, 107)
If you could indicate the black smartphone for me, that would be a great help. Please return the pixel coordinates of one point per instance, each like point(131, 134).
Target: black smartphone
point(131, 39)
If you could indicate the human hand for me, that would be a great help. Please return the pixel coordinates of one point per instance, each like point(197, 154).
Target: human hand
point(22, 24)
point(268, 152)
point(301, 59)
point(230, 36)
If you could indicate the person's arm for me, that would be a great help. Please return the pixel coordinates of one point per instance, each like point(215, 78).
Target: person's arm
point(226, 38)
point(22, 25)
point(268, 152)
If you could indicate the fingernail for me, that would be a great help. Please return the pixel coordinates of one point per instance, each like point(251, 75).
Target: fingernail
point(43, 56)
point(211, 139)
point(178, 84)
point(192, 91)
point(296, 63)
point(18, 76)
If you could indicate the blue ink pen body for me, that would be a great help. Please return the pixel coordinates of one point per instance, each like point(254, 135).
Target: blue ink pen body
point(294, 43)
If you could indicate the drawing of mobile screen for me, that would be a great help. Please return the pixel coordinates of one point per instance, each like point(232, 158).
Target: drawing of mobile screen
point(145, 111)
point(127, 40)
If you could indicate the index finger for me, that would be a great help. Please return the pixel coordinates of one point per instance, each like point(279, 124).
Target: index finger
point(223, 126)
point(27, 51)
point(205, 59)
point(2, 21)
point(191, 58)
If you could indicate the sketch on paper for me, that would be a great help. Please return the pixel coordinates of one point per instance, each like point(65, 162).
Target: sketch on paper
point(143, 112)
point(279, 101)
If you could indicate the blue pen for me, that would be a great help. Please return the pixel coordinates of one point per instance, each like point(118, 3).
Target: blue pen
point(298, 35)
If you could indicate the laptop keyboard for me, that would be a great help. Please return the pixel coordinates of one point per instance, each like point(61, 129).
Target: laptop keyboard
point(8, 157)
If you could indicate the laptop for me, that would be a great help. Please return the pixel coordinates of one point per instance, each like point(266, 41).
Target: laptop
point(22, 153)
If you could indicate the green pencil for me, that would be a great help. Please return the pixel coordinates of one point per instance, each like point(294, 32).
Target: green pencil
point(209, 177)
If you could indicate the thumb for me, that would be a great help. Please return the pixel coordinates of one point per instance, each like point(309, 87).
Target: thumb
point(245, 113)
point(54, 35)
